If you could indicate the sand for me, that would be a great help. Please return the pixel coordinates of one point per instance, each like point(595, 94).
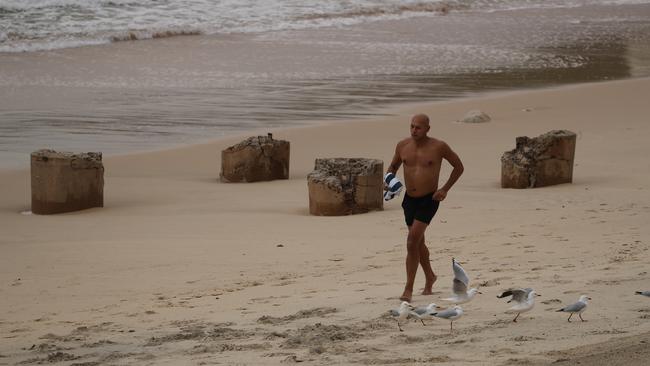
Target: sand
point(178, 268)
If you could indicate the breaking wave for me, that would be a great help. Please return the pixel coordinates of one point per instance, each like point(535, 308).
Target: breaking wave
point(140, 35)
point(440, 8)
point(32, 25)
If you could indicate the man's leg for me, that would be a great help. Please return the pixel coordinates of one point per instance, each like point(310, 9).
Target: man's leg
point(413, 241)
point(429, 275)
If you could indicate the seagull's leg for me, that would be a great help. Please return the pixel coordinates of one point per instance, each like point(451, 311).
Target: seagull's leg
point(451, 326)
point(399, 326)
point(569, 320)
point(580, 315)
point(515, 319)
point(423, 322)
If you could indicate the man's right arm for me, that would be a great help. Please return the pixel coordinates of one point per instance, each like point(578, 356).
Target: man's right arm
point(396, 162)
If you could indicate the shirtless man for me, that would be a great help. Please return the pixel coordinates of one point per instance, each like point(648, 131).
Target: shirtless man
point(422, 158)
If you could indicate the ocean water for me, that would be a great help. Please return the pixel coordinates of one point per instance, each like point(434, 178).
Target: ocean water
point(29, 25)
point(128, 75)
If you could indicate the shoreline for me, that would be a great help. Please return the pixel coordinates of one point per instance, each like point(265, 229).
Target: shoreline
point(178, 267)
point(392, 111)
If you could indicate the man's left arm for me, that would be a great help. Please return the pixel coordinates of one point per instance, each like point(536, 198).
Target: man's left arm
point(453, 159)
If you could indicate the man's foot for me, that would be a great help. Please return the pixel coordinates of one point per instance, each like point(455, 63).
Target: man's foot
point(406, 296)
point(428, 285)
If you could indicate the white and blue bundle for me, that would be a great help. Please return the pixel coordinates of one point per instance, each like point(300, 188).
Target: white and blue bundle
point(394, 186)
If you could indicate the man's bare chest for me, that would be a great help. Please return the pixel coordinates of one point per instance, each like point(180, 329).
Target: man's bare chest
point(421, 158)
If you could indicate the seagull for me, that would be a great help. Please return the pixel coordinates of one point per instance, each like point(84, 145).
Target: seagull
point(450, 314)
point(461, 282)
point(424, 312)
point(523, 297)
point(401, 313)
point(578, 307)
point(643, 293)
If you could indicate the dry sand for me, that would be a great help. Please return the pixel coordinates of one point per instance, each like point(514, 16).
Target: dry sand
point(179, 268)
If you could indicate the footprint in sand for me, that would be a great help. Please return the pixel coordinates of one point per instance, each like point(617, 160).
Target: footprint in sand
point(407, 339)
point(284, 283)
point(491, 282)
point(526, 339)
point(503, 351)
point(571, 292)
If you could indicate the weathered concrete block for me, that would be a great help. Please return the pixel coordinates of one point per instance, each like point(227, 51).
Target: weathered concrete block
point(64, 182)
point(342, 186)
point(259, 158)
point(540, 161)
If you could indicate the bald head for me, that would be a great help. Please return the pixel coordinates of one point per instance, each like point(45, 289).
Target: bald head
point(419, 127)
point(421, 119)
